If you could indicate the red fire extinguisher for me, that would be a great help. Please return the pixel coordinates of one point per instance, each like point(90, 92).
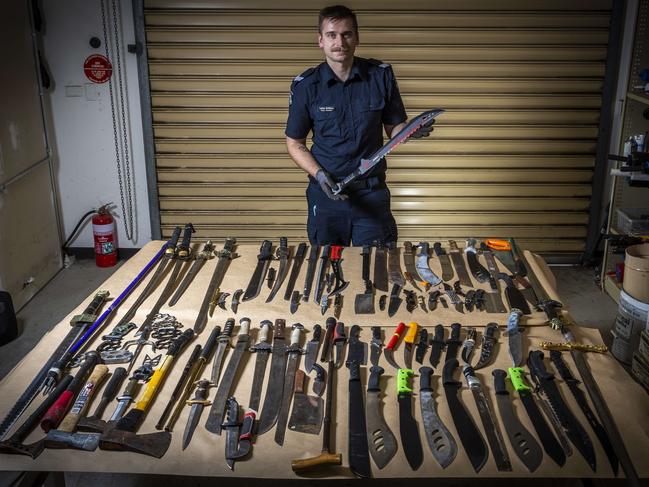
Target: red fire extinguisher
point(103, 230)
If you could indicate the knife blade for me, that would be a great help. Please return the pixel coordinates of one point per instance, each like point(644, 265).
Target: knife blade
point(382, 442)
point(479, 272)
point(395, 300)
point(409, 261)
point(423, 268)
point(488, 344)
point(408, 428)
point(223, 341)
point(422, 345)
point(312, 348)
point(321, 274)
point(514, 336)
point(409, 343)
point(263, 349)
point(458, 263)
point(298, 260)
point(198, 403)
point(258, 276)
point(514, 296)
point(437, 345)
point(380, 267)
point(339, 339)
point(275, 388)
point(310, 271)
point(447, 269)
point(293, 351)
point(283, 254)
point(376, 344)
point(389, 349)
point(203, 256)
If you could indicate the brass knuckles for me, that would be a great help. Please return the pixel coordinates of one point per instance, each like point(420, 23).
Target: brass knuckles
point(573, 346)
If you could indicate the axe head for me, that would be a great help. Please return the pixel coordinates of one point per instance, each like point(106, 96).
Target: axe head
point(91, 425)
point(16, 448)
point(76, 441)
point(152, 444)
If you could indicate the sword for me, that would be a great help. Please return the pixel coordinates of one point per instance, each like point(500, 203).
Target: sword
point(298, 259)
point(275, 387)
point(215, 418)
point(293, 351)
point(368, 164)
point(224, 258)
point(202, 257)
point(257, 279)
point(282, 254)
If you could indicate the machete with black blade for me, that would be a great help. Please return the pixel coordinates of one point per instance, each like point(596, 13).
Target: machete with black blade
point(202, 257)
point(380, 267)
point(437, 345)
point(293, 352)
point(574, 430)
point(582, 402)
point(358, 449)
point(422, 346)
point(224, 257)
point(441, 442)
point(408, 429)
point(380, 439)
point(524, 444)
point(217, 411)
point(310, 271)
point(275, 388)
point(458, 263)
point(298, 259)
point(259, 275)
point(406, 132)
point(283, 254)
point(447, 268)
point(411, 269)
point(470, 437)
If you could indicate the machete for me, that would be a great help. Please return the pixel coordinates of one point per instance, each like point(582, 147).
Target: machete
point(458, 263)
point(358, 447)
point(447, 268)
point(259, 275)
point(263, 349)
point(380, 267)
point(408, 428)
point(273, 399)
point(441, 442)
point(382, 442)
point(298, 259)
point(293, 352)
point(409, 261)
point(423, 268)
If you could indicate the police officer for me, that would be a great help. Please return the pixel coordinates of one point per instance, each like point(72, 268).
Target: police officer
point(346, 101)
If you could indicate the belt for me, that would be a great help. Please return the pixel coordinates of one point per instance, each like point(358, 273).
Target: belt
point(374, 182)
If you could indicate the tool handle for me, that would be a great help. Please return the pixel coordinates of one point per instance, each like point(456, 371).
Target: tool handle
point(244, 326)
point(437, 248)
point(80, 406)
point(299, 254)
point(490, 330)
point(31, 422)
point(264, 328)
point(317, 332)
point(537, 366)
point(448, 370)
point(455, 332)
point(354, 371)
point(496, 244)
point(179, 344)
point(374, 382)
point(183, 249)
point(339, 332)
point(278, 332)
point(424, 248)
point(425, 379)
point(322, 460)
point(320, 375)
point(296, 329)
point(410, 337)
point(366, 262)
point(228, 327)
point(247, 424)
point(439, 333)
point(336, 252)
point(517, 376)
point(513, 320)
point(499, 382)
point(110, 391)
point(283, 242)
point(173, 241)
point(208, 348)
point(265, 251)
point(395, 338)
point(403, 381)
point(298, 384)
point(376, 333)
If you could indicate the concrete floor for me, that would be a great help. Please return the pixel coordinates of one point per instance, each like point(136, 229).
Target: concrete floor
point(588, 305)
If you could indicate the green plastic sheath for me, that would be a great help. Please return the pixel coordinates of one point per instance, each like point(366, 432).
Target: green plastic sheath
point(517, 376)
point(403, 381)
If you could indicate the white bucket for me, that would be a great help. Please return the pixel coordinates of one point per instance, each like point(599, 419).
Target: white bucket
point(632, 318)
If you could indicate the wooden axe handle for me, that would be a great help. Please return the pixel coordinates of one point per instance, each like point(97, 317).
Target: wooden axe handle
point(322, 460)
point(80, 406)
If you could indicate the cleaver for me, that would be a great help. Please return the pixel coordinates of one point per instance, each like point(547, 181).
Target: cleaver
point(306, 416)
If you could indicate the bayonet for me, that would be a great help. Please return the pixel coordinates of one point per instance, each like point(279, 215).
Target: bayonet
point(524, 444)
point(477, 269)
point(376, 344)
point(404, 134)
point(223, 341)
point(224, 257)
point(407, 425)
point(215, 418)
point(275, 387)
point(258, 276)
point(380, 439)
point(422, 345)
point(282, 254)
point(203, 256)
point(321, 275)
point(514, 336)
point(423, 269)
point(293, 352)
point(447, 269)
point(389, 349)
point(409, 343)
point(263, 349)
point(409, 261)
point(198, 403)
point(437, 345)
point(298, 259)
point(470, 437)
point(494, 436)
point(488, 343)
point(458, 263)
point(312, 348)
point(380, 267)
point(441, 442)
point(310, 271)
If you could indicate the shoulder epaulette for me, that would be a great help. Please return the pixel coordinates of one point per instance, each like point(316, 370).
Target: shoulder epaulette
point(304, 75)
point(378, 63)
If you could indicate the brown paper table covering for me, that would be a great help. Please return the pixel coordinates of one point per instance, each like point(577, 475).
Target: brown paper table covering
point(205, 455)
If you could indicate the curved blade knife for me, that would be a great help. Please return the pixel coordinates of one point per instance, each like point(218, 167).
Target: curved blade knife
point(259, 275)
point(282, 254)
point(423, 269)
point(382, 442)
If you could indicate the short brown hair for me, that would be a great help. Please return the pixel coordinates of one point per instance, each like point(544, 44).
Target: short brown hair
point(337, 12)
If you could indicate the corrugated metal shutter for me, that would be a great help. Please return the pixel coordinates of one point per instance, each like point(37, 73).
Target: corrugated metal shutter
point(512, 156)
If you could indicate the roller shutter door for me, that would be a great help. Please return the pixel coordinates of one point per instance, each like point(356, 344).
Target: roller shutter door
point(512, 156)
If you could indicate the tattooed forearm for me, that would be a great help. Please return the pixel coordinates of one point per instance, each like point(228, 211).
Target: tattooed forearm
point(303, 148)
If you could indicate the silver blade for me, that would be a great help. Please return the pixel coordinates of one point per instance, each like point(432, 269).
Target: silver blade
point(441, 442)
point(192, 422)
point(218, 360)
point(287, 396)
point(311, 355)
point(515, 338)
point(380, 439)
point(258, 378)
point(524, 444)
point(202, 257)
point(423, 268)
point(283, 254)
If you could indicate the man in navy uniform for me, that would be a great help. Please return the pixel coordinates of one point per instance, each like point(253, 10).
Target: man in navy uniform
point(346, 101)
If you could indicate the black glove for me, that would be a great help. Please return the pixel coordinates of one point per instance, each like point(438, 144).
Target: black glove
point(424, 130)
point(327, 184)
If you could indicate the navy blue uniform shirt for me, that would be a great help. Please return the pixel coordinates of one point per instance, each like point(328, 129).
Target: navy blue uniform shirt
point(346, 117)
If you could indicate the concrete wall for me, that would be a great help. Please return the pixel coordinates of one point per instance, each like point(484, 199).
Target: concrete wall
point(81, 128)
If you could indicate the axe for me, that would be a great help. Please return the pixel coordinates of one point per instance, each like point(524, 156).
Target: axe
point(64, 436)
point(89, 423)
point(122, 435)
point(14, 444)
